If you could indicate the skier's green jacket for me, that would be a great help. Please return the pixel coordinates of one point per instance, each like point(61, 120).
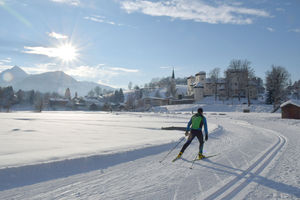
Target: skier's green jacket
point(197, 121)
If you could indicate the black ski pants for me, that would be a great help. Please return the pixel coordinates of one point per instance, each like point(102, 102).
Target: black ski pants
point(194, 133)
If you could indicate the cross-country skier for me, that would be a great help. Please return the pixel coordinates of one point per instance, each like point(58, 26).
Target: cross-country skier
point(197, 121)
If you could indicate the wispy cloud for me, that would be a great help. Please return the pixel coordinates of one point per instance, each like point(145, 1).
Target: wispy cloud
point(83, 72)
point(4, 66)
point(107, 84)
point(66, 52)
point(5, 60)
point(101, 73)
point(47, 51)
point(120, 69)
point(57, 35)
point(101, 19)
point(198, 11)
point(42, 68)
point(296, 30)
point(100, 70)
point(270, 29)
point(69, 2)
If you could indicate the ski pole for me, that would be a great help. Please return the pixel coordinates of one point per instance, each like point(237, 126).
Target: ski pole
point(191, 167)
point(172, 150)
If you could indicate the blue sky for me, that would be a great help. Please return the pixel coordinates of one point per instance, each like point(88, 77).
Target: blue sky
point(114, 42)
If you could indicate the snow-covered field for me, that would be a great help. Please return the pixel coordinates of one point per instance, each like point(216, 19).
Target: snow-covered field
point(86, 155)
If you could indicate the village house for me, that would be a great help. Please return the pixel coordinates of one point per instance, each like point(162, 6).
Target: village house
point(199, 86)
point(290, 109)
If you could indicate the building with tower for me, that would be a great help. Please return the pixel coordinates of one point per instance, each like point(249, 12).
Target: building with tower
point(199, 86)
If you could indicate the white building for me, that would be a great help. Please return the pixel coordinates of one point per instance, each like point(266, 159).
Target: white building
point(199, 86)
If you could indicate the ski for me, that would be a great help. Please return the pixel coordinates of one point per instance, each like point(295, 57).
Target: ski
point(175, 159)
point(202, 159)
point(206, 157)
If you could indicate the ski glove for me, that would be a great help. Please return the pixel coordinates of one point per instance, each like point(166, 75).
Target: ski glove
point(206, 137)
point(186, 133)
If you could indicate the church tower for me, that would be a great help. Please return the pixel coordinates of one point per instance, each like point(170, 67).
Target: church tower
point(172, 87)
point(173, 74)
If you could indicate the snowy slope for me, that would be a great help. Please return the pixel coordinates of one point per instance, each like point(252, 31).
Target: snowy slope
point(257, 161)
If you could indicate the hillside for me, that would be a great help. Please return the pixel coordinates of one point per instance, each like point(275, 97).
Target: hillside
point(12, 76)
point(57, 81)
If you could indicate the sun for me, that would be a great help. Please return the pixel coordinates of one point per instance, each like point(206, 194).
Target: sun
point(67, 52)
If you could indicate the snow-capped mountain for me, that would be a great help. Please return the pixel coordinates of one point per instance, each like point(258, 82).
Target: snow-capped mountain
point(12, 76)
point(57, 81)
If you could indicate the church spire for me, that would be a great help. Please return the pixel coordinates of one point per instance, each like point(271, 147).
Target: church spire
point(173, 74)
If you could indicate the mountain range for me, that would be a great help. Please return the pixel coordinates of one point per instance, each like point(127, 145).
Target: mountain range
point(57, 81)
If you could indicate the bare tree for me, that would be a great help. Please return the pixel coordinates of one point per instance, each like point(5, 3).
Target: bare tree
point(98, 91)
point(157, 93)
point(130, 85)
point(276, 83)
point(7, 98)
point(130, 103)
point(214, 76)
point(38, 101)
point(238, 75)
point(91, 93)
point(249, 75)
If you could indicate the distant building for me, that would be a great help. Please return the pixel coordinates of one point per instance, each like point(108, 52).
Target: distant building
point(68, 94)
point(236, 82)
point(58, 102)
point(199, 86)
point(290, 109)
point(198, 91)
point(155, 101)
point(190, 84)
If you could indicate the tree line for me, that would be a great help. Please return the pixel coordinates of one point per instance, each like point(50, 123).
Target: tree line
point(37, 99)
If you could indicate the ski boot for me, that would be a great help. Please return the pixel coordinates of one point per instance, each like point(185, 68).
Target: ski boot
point(200, 156)
point(178, 156)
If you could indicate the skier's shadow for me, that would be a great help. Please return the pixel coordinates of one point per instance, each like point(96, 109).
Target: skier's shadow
point(278, 186)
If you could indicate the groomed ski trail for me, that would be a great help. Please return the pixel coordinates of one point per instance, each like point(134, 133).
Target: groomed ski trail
point(246, 149)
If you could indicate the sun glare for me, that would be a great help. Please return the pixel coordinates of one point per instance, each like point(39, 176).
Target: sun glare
point(67, 52)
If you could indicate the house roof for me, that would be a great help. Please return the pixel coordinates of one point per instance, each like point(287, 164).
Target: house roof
point(198, 85)
point(201, 73)
point(181, 89)
point(293, 102)
point(59, 99)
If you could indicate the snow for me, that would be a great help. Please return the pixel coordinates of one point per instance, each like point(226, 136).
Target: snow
point(210, 105)
point(85, 155)
point(293, 102)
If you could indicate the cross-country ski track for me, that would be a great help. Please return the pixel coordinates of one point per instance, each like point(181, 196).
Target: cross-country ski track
point(249, 164)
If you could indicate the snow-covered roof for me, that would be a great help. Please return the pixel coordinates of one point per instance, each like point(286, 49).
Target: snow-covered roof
point(154, 98)
point(201, 73)
point(292, 101)
point(181, 89)
point(198, 85)
point(59, 99)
